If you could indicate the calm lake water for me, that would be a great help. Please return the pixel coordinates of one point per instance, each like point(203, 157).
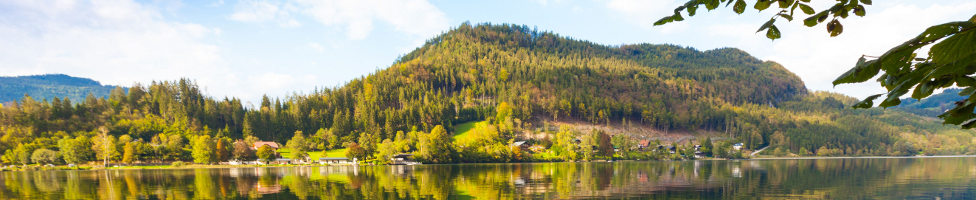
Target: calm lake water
point(903, 178)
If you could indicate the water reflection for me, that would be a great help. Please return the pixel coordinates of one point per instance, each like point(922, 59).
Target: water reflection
point(946, 178)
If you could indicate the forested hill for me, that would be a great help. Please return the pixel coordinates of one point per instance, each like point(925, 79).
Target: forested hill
point(512, 79)
point(49, 86)
point(932, 106)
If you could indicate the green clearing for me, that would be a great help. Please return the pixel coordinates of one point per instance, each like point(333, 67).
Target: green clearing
point(334, 153)
point(315, 155)
point(462, 131)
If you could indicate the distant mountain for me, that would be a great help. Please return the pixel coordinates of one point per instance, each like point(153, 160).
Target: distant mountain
point(934, 105)
point(48, 86)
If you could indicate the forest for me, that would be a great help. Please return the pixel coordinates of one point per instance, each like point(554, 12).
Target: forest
point(511, 80)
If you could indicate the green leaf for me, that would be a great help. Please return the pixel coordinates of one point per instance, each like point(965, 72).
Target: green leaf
point(663, 21)
point(955, 47)
point(763, 4)
point(866, 2)
point(711, 4)
point(859, 11)
point(835, 28)
point(740, 7)
point(807, 9)
point(963, 112)
point(813, 20)
point(787, 17)
point(862, 71)
point(926, 88)
point(678, 18)
point(773, 33)
point(766, 25)
point(867, 102)
point(691, 10)
point(968, 91)
point(785, 3)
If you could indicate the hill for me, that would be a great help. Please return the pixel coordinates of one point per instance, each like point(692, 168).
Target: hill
point(932, 106)
point(49, 86)
point(518, 81)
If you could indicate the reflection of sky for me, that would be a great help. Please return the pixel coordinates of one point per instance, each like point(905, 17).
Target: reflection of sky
point(254, 47)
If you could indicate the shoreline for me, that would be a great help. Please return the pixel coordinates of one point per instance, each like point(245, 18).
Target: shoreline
point(195, 166)
point(861, 157)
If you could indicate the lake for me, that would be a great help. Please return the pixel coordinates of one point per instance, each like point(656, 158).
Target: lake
point(855, 178)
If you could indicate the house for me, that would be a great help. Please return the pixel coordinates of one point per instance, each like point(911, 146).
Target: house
point(335, 160)
point(281, 161)
point(643, 144)
point(402, 159)
point(524, 146)
point(258, 144)
point(737, 146)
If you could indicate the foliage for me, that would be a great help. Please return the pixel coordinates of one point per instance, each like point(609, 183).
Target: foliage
point(951, 60)
point(76, 150)
point(203, 150)
point(265, 153)
point(129, 151)
point(840, 10)
point(242, 151)
point(298, 146)
point(355, 151)
point(104, 147)
point(45, 156)
point(435, 147)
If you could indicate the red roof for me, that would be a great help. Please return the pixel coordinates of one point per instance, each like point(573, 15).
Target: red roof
point(258, 144)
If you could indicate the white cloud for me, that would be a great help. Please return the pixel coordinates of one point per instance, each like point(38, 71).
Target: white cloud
point(819, 59)
point(643, 12)
point(418, 18)
point(810, 52)
point(317, 47)
point(117, 42)
point(263, 11)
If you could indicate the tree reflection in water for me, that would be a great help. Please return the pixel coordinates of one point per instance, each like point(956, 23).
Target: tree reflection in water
point(947, 178)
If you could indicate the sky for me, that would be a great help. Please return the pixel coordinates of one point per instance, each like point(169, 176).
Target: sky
point(250, 48)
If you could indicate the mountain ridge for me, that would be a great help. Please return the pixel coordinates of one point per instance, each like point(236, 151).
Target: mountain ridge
point(49, 86)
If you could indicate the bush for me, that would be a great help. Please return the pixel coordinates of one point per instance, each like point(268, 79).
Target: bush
point(177, 164)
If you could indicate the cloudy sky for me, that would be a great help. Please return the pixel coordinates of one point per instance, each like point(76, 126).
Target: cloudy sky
point(253, 47)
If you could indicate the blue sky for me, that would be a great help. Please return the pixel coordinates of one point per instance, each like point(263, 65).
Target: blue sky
point(249, 48)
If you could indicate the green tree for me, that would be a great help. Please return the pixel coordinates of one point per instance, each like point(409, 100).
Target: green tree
point(386, 150)
point(266, 153)
point(435, 147)
point(44, 156)
point(75, 151)
point(203, 150)
point(298, 146)
point(564, 144)
point(588, 145)
point(503, 112)
point(130, 152)
point(707, 146)
point(21, 154)
point(104, 147)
